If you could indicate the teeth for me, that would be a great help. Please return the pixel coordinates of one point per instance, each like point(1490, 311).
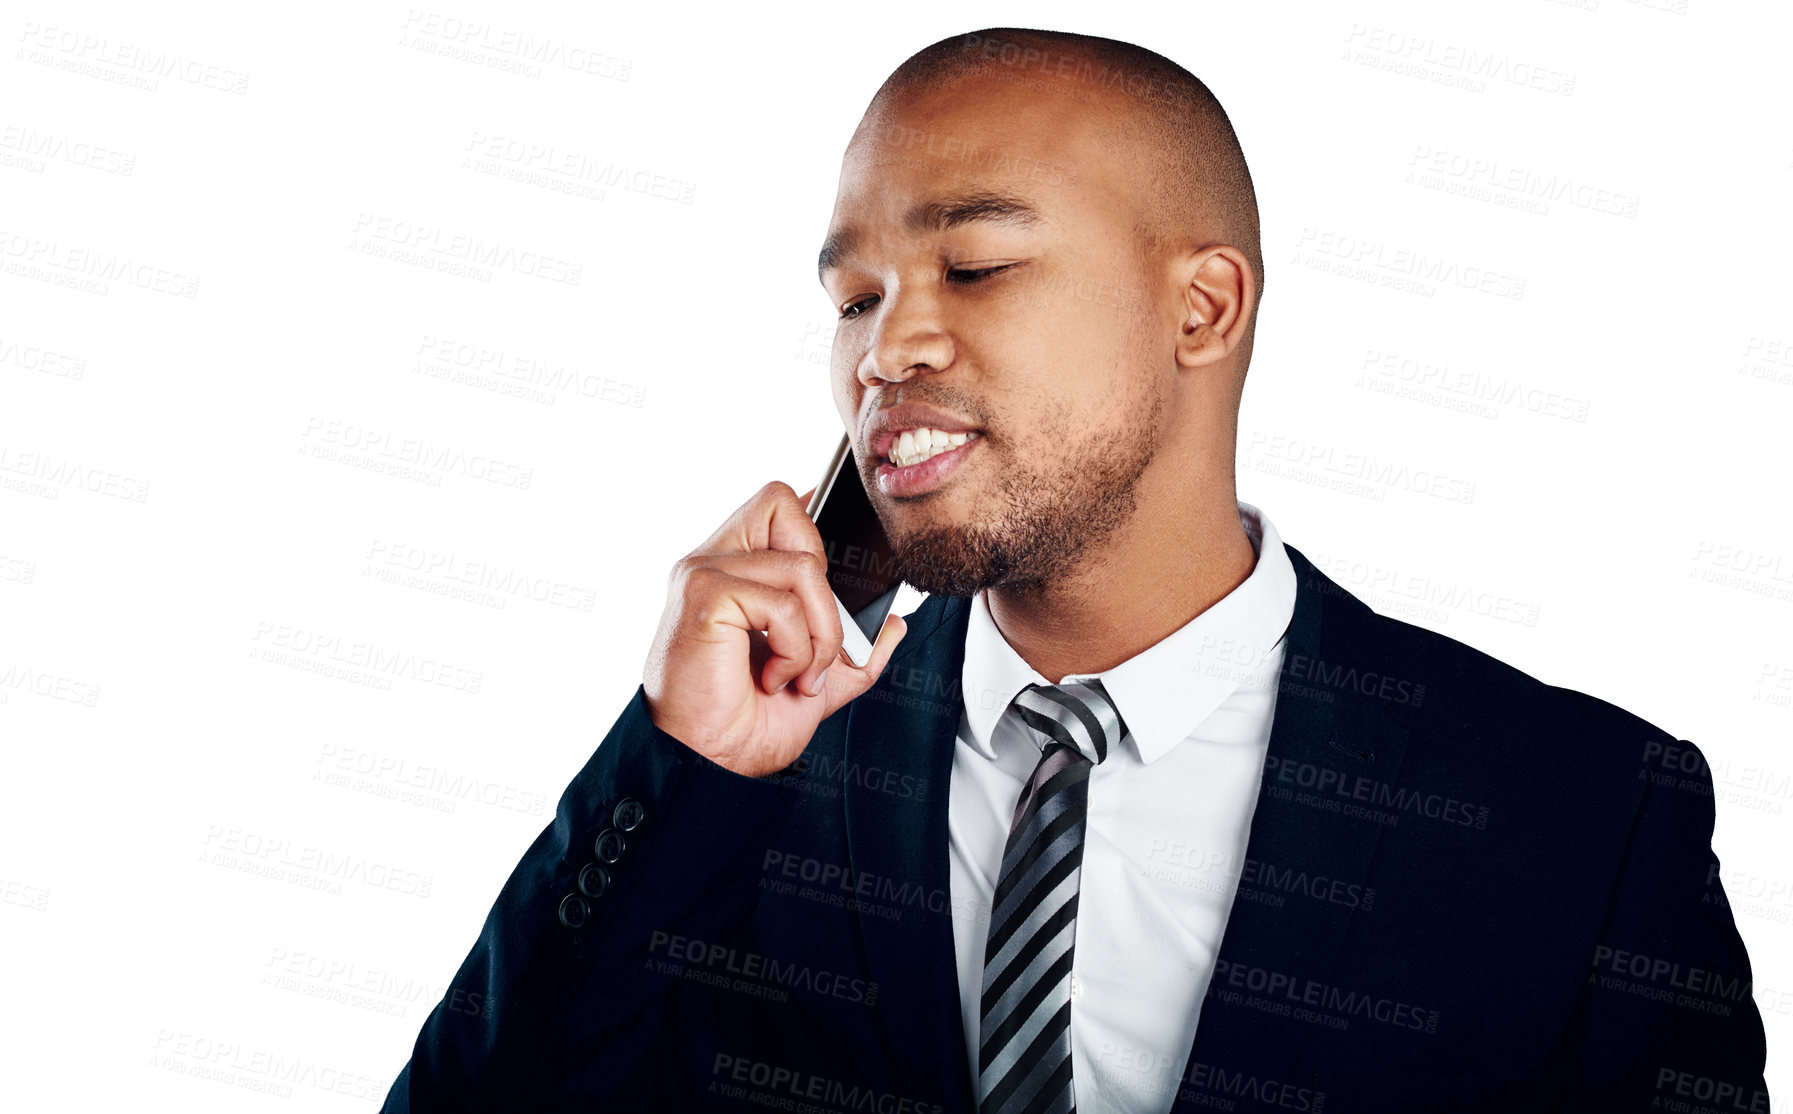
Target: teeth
point(916, 445)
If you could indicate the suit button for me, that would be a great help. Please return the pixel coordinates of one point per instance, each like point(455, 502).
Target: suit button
point(629, 814)
point(609, 846)
point(573, 911)
point(593, 880)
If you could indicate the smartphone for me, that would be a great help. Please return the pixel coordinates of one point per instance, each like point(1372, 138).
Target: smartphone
point(861, 567)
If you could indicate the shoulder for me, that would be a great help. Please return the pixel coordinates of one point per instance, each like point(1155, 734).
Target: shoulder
point(1565, 773)
point(1453, 694)
point(1466, 681)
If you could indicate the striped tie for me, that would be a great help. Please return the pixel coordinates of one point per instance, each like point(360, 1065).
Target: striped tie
point(1024, 1055)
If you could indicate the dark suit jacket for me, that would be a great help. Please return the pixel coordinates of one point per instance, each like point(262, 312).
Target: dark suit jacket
point(1466, 891)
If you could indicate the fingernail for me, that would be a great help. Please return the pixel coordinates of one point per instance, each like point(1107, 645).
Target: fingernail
point(820, 677)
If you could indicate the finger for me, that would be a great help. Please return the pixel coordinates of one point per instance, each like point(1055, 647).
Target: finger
point(723, 604)
point(778, 521)
point(773, 514)
point(805, 497)
point(846, 680)
point(785, 523)
point(803, 575)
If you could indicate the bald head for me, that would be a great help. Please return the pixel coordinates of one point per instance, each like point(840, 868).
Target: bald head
point(1197, 188)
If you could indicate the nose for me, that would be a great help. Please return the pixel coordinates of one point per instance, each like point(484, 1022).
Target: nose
point(909, 338)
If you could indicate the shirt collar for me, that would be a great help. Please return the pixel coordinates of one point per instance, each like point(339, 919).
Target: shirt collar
point(1166, 690)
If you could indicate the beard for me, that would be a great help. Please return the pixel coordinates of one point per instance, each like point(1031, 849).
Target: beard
point(1042, 522)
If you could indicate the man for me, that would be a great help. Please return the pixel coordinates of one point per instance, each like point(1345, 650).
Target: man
point(1145, 813)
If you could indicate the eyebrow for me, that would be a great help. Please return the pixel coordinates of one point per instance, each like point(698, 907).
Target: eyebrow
point(938, 216)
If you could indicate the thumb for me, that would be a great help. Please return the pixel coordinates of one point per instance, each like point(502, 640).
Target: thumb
point(846, 680)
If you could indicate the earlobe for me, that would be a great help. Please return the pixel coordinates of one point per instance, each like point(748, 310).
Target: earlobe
point(1200, 344)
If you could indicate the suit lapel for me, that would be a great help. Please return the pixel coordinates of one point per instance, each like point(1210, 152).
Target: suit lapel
point(907, 723)
point(1301, 822)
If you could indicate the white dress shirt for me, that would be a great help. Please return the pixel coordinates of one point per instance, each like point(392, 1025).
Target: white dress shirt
point(1169, 815)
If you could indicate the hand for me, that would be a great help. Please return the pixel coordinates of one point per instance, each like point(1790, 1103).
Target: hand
point(750, 626)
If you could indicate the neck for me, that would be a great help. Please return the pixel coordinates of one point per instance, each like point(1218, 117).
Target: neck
point(1178, 555)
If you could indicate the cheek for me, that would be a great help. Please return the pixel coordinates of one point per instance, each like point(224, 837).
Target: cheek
point(1074, 352)
point(844, 385)
point(1111, 348)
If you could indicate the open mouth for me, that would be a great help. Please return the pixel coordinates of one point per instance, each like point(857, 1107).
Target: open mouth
point(917, 467)
point(916, 445)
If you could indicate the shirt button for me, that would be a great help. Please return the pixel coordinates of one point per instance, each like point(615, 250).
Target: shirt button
point(1076, 988)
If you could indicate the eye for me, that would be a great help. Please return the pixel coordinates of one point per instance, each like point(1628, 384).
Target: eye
point(970, 275)
point(960, 276)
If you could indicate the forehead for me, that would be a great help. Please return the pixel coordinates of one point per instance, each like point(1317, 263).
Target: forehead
point(1056, 149)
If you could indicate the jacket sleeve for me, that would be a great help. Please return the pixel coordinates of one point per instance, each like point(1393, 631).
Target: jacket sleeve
point(1671, 1021)
point(650, 841)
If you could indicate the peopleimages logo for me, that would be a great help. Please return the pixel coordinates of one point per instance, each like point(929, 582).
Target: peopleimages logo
point(1368, 682)
point(502, 48)
point(1721, 1094)
point(1377, 258)
point(410, 457)
point(756, 971)
point(122, 62)
point(783, 1086)
point(1329, 787)
point(861, 884)
point(1452, 63)
point(1278, 989)
point(87, 269)
point(464, 249)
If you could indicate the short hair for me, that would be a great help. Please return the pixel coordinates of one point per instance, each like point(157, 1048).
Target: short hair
point(1198, 179)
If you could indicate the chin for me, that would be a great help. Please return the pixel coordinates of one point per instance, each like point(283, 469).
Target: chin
point(950, 560)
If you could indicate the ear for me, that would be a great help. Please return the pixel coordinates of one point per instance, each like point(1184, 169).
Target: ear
point(1217, 303)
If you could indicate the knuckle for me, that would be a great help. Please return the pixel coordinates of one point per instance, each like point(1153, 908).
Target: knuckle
point(791, 607)
point(789, 613)
point(798, 562)
point(699, 583)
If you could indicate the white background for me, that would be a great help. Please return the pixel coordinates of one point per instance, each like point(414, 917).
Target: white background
point(197, 502)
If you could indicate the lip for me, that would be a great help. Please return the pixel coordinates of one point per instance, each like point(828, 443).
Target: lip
point(890, 424)
point(919, 479)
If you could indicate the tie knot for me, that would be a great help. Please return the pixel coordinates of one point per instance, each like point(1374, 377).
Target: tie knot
point(1076, 714)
